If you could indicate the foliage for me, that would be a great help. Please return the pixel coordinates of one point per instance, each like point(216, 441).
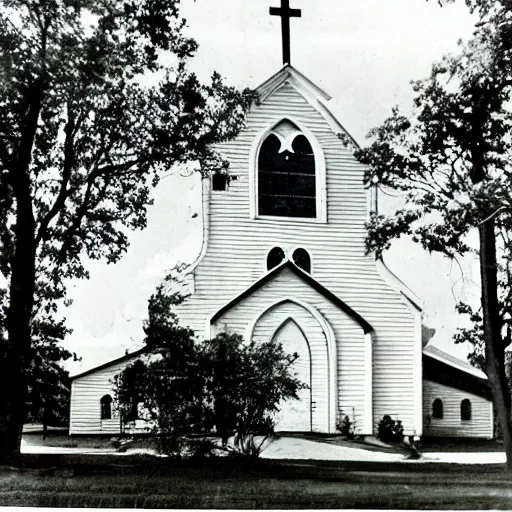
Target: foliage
point(474, 334)
point(246, 383)
point(101, 138)
point(90, 118)
point(346, 427)
point(451, 160)
point(49, 385)
point(390, 430)
point(188, 388)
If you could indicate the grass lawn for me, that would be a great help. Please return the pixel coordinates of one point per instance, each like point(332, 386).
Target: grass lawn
point(434, 444)
point(143, 481)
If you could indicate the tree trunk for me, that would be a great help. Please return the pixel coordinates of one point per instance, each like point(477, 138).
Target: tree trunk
point(45, 421)
point(16, 352)
point(494, 348)
point(17, 349)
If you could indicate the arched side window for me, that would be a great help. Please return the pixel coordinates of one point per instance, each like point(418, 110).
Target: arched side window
point(286, 174)
point(275, 257)
point(437, 409)
point(302, 259)
point(106, 407)
point(465, 410)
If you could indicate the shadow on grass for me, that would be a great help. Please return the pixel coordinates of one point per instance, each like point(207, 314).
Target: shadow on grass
point(150, 482)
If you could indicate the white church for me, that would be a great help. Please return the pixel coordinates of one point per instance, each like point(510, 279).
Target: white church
point(283, 258)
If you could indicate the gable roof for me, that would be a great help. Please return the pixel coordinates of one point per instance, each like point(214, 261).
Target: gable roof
point(440, 367)
point(121, 359)
point(289, 73)
point(440, 355)
point(313, 94)
point(308, 279)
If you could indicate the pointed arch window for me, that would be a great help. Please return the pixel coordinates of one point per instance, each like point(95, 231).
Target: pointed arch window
point(465, 410)
point(302, 259)
point(275, 257)
point(437, 409)
point(106, 407)
point(287, 174)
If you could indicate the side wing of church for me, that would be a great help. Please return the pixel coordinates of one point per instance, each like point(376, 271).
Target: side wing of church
point(283, 259)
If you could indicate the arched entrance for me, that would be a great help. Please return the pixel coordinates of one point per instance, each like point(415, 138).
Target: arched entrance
point(295, 415)
point(302, 329)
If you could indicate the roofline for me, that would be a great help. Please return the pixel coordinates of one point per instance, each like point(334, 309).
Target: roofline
point(305, 277)
point(325, 95)
point(473, 384)
point(460, 367)
point(288, 71)
point(320, 97)
point(110, 363)
point(400, 285)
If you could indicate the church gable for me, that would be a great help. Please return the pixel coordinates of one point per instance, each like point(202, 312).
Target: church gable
point(328, 181)
point(302, 275)
point(339, 340)
point(321, 227)
point(317, 98)
point(283, 260)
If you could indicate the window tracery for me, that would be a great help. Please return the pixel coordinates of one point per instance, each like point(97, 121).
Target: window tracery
point(287, 174)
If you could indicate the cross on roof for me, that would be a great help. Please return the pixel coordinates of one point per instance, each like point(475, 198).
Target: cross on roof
point(286, 13)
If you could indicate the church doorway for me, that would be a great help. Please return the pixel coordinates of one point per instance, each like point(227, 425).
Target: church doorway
point(295, 415)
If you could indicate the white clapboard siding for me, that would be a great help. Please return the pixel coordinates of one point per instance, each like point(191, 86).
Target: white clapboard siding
point(349, 337)
point(238, 245)
point(451, 425)
point(86, 393)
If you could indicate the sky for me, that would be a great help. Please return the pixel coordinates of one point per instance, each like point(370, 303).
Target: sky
point(364, 53)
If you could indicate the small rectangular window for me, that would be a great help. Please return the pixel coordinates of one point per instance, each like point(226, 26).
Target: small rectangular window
point(219, 181)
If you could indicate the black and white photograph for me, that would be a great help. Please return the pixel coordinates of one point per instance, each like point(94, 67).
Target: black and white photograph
point(256, 254)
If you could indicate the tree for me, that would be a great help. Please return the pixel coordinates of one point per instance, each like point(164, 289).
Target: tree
point(48, 382)
point(184, 387)
point(474, 333)
point(49, 390)
point(82, 142)
point(246, 384)
point(451, 160)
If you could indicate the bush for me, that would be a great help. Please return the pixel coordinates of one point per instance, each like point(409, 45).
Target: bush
point(223, 387)
point(389, 430)
point(346, 427)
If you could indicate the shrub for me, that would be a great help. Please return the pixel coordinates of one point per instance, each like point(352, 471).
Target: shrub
point(223, 386)
point(389, 430)
point(345, 426)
